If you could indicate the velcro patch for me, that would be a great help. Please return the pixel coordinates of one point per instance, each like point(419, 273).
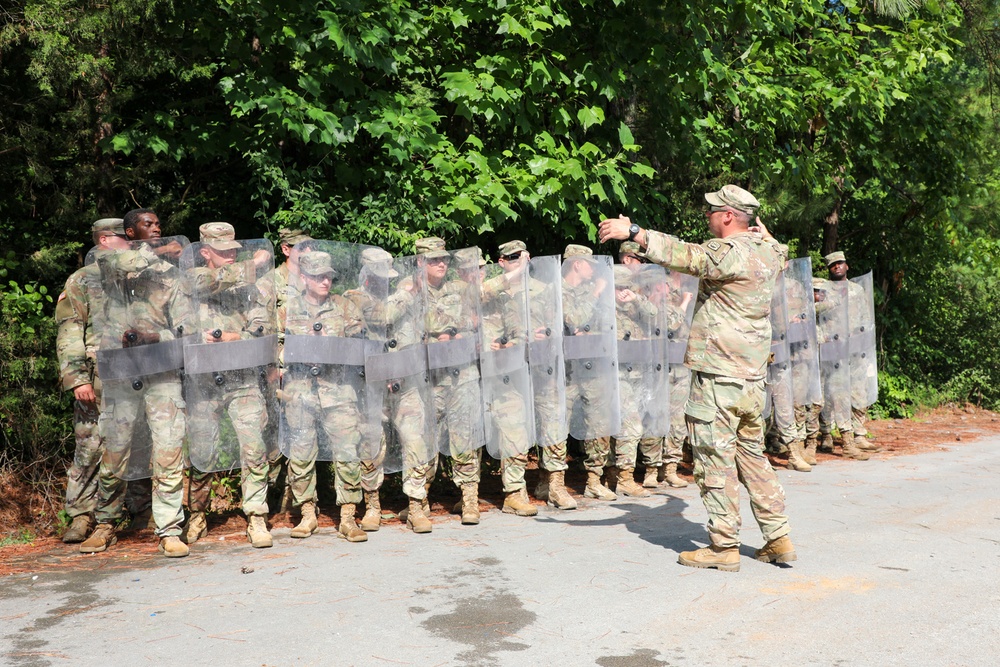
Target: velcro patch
point(717, 250)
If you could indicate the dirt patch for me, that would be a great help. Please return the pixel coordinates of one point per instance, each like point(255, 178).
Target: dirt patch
point(936, 430)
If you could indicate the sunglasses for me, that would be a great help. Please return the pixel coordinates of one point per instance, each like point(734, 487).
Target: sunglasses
point(716, 209)
point(512, 256)
point(439, 260)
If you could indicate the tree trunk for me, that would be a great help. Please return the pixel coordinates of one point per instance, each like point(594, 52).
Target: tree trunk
point(831, 229)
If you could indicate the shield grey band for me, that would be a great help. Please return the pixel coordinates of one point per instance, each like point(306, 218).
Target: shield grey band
point(799, 331)
point(835, 350)
point(395, 365)
point(545, 351)
point(675, 350)
point(641, 351)
point(503, 361)
point(233, 356)
point(132, 362)
point(589, 346)
point(577, 369)
point(330, 350)
point(448, 353)
point(780, 352)
point(863, 342)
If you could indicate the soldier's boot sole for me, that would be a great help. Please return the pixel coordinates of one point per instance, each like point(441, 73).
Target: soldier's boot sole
point(779, 550)
point(599, 493)
point(78, 529)
point(705, 559)
point(517, 503)
point(96, 546)
point(351, 532)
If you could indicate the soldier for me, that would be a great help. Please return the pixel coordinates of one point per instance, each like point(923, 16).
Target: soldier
point(229, 307)
point(781, 432)
point(322, 396)
point(727, 351)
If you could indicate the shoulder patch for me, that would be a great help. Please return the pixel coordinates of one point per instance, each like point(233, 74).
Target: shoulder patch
point(717, 250)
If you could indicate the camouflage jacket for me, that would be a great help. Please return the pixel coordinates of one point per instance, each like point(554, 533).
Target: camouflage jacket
point(76, 342)
point(337, 316)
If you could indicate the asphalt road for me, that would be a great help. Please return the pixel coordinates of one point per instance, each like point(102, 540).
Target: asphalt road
point(898, 565)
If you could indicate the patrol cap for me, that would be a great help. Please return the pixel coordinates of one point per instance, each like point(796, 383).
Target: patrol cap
point(466, 261)
point(574, 251)
point(218, 235)
point(316, 264)
point(630, 248)
point(377, 261)
point(109, 226)
point(623, 277)
point(735, 197)
point(432, 246)
point(510, 247)
point(835, 257)
point(292, 236)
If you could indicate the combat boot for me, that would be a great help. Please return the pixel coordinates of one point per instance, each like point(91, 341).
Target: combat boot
point(470, 503)
point(779, 550)
point(348, 526)
point(103, 537)
point(671, 478)
point(651, 479)
point(727, 560)
point(309, 523)
point(809, 450)
point(79, 529)
point(627, 484)
point(542, 488)
point(172, 547)
point(195, 528)
point(416, 519)
point(257, 533)
point(796, 461)
point(372, 520)
point(142, 521)
point(558, 496)
point(865, 445)
point(516, 502)
point(851, 450)
point(826, 444)
point(597, 490)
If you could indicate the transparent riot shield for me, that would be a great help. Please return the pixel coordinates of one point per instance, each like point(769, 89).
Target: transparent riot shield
point(452, 282)
point(803, 348)
point(832, 330)
point(682, 294)
point(545, 350)
point(231, 358)
point(642, 309)
point(864, 366)
point(779, 401)
point(392, 297)
point(590, 348)
point(139, 321)
point(327, 413)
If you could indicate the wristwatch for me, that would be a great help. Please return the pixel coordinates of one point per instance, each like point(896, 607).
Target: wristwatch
point(633, 231)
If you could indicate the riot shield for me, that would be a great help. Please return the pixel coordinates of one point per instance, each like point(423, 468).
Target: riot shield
point(545, 350)
point(139, 320)
point(453, 335)
point(590, 348)
point(803, 348)
point(327, 414)
point(392, 298)
point(641, 302)
point(779, 399)
point(231, 360)
point(864, 366)
point(682, 294)
point(832, 330)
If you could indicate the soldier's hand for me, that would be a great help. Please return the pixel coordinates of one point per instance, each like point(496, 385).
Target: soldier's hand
point(614, 229)
point(443, 337)
point(760, 228)
point(172, 250)
point(625, 296)
point(261, 258)
point(495, 345)
point(686, 299)
point(225, 337)
point(133, 338)
point(541, 333)
point(85, 393)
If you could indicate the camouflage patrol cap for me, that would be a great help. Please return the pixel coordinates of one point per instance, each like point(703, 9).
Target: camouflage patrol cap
point(510, 247)
point(648, 276)
point(432, 246)
point(835, 257)
point(292, 236)
point(218, 235)
point(735, 197)
point(466, 260)
point(378, 263)
point(630, 248)
point(109, 226)
point(316, 264)
point(623, 277)
point(574, 251)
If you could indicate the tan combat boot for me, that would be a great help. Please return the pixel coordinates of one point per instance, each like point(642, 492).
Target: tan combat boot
point(779, 550)
point(671, 478)
point(542, 488)
point(309, 523)
point(628, 485)
point(416, 519)
point(651, 479)
point(851, 450)
point(597, 490)
point(557, 494)
point(516, 502)
point(727, 560)
point(103, 537)
point(372, 520)
point(864, 444)
point(470, 503)
point(257, 533)
point(348, 526)
point(809, 450)
point(826, 444)
point(195, 528)
point(796, 461)
point(79, 529)
point(172, 547)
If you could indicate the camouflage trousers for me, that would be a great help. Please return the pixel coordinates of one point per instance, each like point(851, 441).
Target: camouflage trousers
point(406, 415)
point(83, 473)
point(510, 437)
point(453, 405)
point(626, 442)
point(859, 421)
point(727, 436)
point(373, 469)
point(160, 400)
point(782, 421)
point(588, 405)
point(247, 412)
point(812, 418)
point(550, 425)
point(651, 451)
point(801, 421)
point(597, 453)
point(553, 459)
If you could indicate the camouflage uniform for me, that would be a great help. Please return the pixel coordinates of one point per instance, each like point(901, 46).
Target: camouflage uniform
point(835, 388)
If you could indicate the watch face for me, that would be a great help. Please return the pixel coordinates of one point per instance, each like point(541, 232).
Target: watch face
point(633, 230)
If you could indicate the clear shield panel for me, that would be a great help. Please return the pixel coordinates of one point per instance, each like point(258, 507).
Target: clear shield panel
point(590, 347)
point(140, 319)
point(864, 365)
point(803, 348)
point(230, 360)
point(832, 330)
point(780, 401)
point(545, 350)
point(682, 294)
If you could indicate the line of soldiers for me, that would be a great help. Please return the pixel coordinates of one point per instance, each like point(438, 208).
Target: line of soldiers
point(205, 356)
